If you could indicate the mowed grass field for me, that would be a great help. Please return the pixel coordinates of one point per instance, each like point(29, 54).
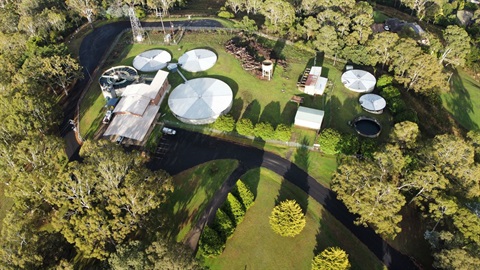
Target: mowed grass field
point(255, 246)
point(463, 100)
point(193, 189)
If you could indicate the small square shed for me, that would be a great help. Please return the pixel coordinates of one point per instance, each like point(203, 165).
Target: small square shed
point(309, 118)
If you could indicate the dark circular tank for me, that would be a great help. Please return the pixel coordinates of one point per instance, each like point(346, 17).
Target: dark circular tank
point(367, 127)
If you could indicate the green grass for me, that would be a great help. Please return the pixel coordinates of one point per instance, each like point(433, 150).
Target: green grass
point(463, 100)
point(194, 188)
point(255, 246)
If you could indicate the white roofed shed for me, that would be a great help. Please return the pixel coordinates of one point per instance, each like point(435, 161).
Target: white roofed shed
point(309, 118)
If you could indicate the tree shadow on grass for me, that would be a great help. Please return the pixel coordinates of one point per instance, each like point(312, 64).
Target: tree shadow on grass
point(460, 103)
point(206, 180)
point(237, 107)
point(252, 111)
point(271, 114)
point(301, 158)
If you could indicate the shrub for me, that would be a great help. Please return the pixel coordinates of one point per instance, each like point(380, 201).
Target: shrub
point(396, 105)
point(224, 123)
point(223, 13)
point(211, 244)
point(244, 194)
point(329, 140)
point(223, 224)
point(245, 127)
point(407, 115)
point(349, 144)
point(234, 209)
point(332, 258)
point(283, 133)
point(390, 92)
point(140, 12)
point(264, 131)
point(384, 80)
point(287, 219)
point(368, 147)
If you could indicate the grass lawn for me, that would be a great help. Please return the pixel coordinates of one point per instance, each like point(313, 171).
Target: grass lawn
point(463, 100)
point(194, 188)
point(255, 246)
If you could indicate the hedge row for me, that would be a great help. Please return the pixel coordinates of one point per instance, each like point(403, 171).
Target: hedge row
point(399, 109)
point(245, 127)
point(227, 218)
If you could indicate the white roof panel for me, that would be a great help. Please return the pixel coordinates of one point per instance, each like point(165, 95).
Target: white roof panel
point(359, 80)
point(152, 60)
point(372, 102)
point(201, 98)
point(132, 104)
point(197, 60)
point(308, 117)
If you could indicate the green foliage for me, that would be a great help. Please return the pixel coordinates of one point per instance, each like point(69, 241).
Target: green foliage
point(211, 244)
point(384, 81)
point(244, 194)
point(368, 147)
point(287, 219)
point(329, 140)
point(129, 256)
point(396, 105)
point(246, 24)
point(224, 123)
point(363, 190)
point(245, 127)
point(140, 12)
point(283, 132)
point(349, 144)
point(234, 209)
point(406, 134)
point(223, 13)
point(332, 258)
point(264, 131)
point(457, 258)
point(389, 91)
point(223, 224)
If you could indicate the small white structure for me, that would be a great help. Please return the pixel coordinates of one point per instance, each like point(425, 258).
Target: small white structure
point(309, 118)
point(136, 110)
point(151, 60)
point(372, 103)
point(200, 101)
point(359, 81)
point(197, 60)
point(315, 84)
point(267, 69)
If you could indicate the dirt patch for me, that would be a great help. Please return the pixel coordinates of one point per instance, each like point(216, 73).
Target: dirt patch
point(251, 54)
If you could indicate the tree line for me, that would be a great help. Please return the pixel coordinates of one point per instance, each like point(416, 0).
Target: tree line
point(438, 177)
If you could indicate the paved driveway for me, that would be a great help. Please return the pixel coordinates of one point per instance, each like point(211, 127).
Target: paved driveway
point(188, 149)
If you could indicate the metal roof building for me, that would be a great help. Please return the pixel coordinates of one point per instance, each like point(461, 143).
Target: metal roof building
point(309, 118)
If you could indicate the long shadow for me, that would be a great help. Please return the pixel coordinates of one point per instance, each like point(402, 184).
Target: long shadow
point(301, 158)
point(271, 114)
point(252, 111)
point(237, 107)
point(461, 103)
point(288, 114)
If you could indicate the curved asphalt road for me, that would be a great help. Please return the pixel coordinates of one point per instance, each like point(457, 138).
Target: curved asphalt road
point(188, 149)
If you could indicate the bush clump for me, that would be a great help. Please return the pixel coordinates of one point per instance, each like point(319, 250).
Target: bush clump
point(211, 243)
point(287, 219)
point(245, 127)
point(329, 140)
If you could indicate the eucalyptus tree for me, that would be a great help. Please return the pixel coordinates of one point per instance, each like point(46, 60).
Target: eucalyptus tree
point(279, 15)
point(457, 46)
point(86, 8)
